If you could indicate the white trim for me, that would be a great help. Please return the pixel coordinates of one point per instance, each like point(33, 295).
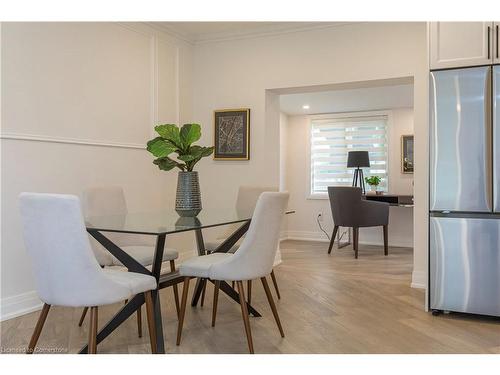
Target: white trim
point(75, 141)
point(419, 280)
point(25, 303)
point(302, 235)
point(154, 83)
point(177, 86)
point(321, 237)
point(318, 196)
point(239, 35)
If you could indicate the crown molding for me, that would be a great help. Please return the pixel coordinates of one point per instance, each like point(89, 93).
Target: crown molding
point(169, 31)
point(265, 31)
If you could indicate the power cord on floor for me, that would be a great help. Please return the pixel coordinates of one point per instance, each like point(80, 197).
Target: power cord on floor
point(320, 227)
point(341, 235)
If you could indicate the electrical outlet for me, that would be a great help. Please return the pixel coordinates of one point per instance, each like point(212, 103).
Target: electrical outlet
point(320, 216)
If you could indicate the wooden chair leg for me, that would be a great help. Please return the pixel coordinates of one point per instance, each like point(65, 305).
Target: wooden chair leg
point(249, 291)
point(386, 241)
point(355, 242)
point(203, 293)
point(273, 306)
point(82, 318)
point(244, 313)
point(332, 240)
point(275, 283)
point(183, 309)
point(139, 321)
point(93, 330)
point(216, 300)
point(38, 329)
point(151, 321)
point(176, 290)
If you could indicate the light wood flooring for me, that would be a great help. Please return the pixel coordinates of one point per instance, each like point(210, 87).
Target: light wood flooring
point(329, 304)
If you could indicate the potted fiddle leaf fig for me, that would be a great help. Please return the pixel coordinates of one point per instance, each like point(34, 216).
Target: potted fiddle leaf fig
point(373, 181)
point(172, 140)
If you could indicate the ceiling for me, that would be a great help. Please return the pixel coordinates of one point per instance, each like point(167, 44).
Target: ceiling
point(197, 32)
point(348, 100)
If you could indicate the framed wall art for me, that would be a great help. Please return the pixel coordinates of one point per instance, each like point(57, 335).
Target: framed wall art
point(407, 160)
point(232, 134)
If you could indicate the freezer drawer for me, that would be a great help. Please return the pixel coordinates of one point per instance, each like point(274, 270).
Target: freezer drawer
point(461, 140)
point(465, 265)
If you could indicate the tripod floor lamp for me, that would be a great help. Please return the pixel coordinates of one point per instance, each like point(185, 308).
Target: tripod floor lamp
point(358, 160)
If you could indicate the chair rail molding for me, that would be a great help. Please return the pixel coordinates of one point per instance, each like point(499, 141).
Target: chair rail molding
point(75, 141)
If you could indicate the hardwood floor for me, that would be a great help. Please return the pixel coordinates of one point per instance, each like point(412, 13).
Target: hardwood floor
point(329, 304)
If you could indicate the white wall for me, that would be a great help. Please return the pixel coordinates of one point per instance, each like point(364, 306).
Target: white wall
point(77, 99)
point(239, 73)
point(304, 225)
point(79, 102)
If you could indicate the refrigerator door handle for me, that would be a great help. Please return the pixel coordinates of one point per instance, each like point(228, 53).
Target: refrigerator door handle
point(496, 40)
point(495, 120)
point(489, 42)
point(489, 137)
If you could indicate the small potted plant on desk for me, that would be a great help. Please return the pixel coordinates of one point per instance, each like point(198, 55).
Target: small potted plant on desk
point(373, 181)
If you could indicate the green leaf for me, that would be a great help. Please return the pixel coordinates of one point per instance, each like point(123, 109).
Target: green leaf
point(187, 157)
point(196, 153)
point(190, 133)
point(171, 133)
point(160, 148)
point(207, 151)
point(166, 164)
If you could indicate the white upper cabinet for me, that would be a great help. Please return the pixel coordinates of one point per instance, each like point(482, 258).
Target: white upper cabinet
point(458, 44)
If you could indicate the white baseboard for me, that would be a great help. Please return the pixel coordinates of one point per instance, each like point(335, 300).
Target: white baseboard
point(419, 279)
point(305, 236)
point(12, 307)
point(321, 237)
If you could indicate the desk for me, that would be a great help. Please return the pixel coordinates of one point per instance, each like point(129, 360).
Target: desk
point(392, 199)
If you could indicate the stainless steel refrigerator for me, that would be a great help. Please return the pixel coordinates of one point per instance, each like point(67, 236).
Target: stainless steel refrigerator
point(464, 233)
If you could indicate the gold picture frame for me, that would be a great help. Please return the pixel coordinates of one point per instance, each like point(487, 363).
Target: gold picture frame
point(407, 154)
point(232, 134)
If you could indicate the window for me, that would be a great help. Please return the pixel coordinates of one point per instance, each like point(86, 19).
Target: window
point(331, 139)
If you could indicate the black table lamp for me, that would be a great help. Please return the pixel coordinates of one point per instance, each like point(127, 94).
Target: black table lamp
point(358, 160)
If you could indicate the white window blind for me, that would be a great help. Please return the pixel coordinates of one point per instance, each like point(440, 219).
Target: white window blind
point(332, 139)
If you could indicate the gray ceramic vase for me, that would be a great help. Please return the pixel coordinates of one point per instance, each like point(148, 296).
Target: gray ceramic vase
point(188, 198)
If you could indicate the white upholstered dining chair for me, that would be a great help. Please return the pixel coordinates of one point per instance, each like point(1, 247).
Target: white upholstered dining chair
point(110, 200)
point(253, 260)
point(66, 270)
point(245, 206)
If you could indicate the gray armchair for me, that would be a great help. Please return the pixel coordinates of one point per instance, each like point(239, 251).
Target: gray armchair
point(349, 209)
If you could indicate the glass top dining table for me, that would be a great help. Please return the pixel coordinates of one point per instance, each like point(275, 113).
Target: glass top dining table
point(161, 224)
point(164, 222)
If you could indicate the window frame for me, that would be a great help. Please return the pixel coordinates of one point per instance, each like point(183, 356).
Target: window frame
point(312, 118)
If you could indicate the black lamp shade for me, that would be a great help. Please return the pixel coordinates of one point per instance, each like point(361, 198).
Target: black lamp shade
point(358, 159)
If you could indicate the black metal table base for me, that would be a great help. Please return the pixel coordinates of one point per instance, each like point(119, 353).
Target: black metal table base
point(164, 281)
